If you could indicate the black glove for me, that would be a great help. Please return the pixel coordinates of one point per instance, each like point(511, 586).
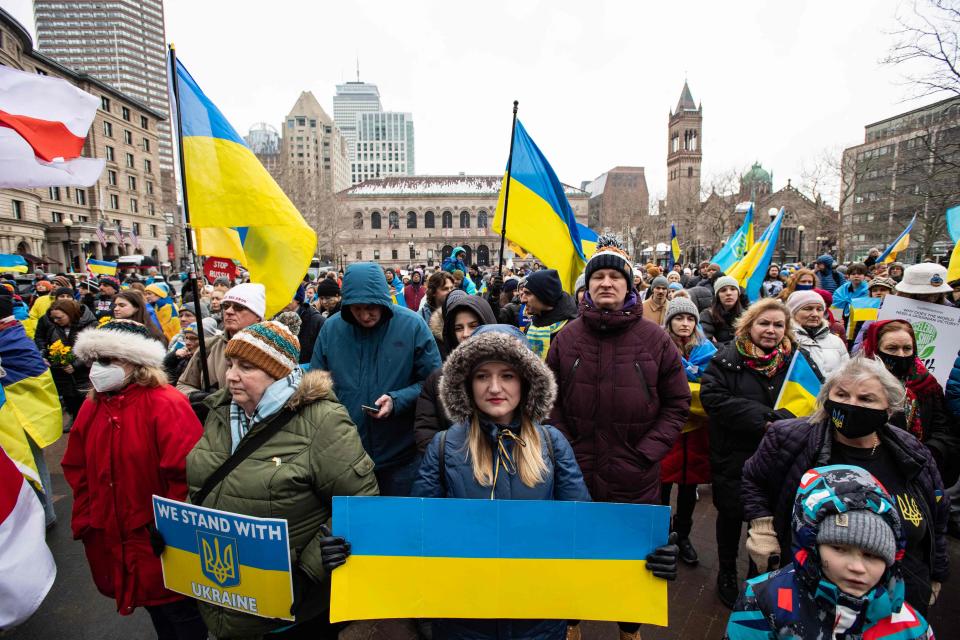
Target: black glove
point(779, 414)
point(496, 285)
point(157, 543)
point(663, 561)
point(334, 550)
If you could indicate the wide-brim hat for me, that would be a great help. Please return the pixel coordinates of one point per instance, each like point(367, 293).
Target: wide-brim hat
point(924, 278)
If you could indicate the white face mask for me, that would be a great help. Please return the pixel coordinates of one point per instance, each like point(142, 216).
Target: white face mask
point(106, 378)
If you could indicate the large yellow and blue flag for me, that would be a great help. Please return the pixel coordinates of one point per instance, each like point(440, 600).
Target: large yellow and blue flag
point(540, 218)
point(674, 247)
point(738, 244)
point(101, 267)
point(236, 208)
point(450, 558)
point(861, 310)
point(798, 395)
point(13, 263)
point(752, 268)
point(588, 240)
point(29, 404)
point(900, 244)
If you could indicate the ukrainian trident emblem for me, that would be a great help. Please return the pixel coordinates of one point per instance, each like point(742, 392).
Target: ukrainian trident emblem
point(219, 560)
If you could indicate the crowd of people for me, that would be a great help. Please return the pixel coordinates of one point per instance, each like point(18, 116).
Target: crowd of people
point(452, 382)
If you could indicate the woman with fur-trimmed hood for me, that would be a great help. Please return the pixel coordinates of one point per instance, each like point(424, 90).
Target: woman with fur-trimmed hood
point(497, 392)
point(314, 455)
point(129, 442)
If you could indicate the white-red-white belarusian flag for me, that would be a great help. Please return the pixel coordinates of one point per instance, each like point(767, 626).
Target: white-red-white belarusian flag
point(43, 125)
point(27, 569)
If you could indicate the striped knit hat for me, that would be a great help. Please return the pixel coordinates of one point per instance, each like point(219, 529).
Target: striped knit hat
point(269, 346)
point(610, 254)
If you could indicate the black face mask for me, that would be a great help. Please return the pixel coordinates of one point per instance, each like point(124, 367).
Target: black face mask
point(899, 366)
point(853, 421)
point(803, 287)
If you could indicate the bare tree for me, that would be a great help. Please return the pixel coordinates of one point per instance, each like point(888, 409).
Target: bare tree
point(324, 210)
point(627, 214)
point(717, 218)
point(926, 45)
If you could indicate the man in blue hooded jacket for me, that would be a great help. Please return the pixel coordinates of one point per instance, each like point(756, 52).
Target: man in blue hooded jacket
point(379, 355)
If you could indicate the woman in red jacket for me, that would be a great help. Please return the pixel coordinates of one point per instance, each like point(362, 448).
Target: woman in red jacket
point(129, 441)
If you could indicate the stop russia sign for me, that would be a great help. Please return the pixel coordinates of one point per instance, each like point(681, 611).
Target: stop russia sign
point(214, 268)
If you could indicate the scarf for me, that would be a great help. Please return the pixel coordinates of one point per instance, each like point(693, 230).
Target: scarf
point(272, 401)
point(699, 358)
point(920, 386)
point(769, 364)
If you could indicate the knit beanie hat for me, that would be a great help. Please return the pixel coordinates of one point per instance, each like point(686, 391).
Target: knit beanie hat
point(269, 346)
point(110, 281)
point(659, 281)
point(328, 288)
point(159, 289)
point(43, 286)
point(62, 281)
point(680, 305)
point(800, 299)
point(675, 286)
point(510, 285)
point(251, 295)
point(880, 281)
point(122, 339)
point(292, 321)
point(609, 255)
point(581, 282)
point(863, 529)
point(191, 329)
point(725, 281)
point(62, 291)
point(546, 285)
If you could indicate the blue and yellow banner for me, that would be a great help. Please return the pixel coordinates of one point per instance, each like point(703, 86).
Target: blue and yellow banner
point(674, 247)
point(13, 263)
point(751, 270)
point(861, 310)
point(799, 392)
point(101, 267)
point(588, 240)
point(540, 218)
point(29, 403)
point(900, 244)
point(738, 244)
point(236, 208)
point(448, 558)
point(226, 559)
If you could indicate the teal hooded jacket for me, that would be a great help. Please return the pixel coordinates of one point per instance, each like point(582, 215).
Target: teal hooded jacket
point(394, 357)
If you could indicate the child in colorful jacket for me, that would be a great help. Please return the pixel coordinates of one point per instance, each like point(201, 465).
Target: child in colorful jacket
point(845, 579)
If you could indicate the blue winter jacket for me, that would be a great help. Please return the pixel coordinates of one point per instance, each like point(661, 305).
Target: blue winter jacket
point(845, 293)
point(952, 390)
point(394, 357)
point(454, 263)
point(564, 482)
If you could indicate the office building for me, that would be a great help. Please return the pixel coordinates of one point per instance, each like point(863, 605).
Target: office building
point(384, 146)
point(352, 99)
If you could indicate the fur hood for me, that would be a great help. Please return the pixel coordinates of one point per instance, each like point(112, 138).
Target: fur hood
point(436, 325)
point(96, 343)
point(315, 386)
point(494, 342)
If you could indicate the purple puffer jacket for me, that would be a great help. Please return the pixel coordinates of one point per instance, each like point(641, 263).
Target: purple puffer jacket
point(623, 399)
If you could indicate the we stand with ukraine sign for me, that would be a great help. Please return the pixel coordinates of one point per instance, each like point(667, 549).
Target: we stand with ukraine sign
point(226, 559)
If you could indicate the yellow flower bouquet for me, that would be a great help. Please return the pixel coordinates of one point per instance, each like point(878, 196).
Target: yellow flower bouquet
point(60, 354)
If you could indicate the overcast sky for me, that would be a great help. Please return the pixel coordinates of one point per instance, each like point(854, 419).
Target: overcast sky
point(779, 81)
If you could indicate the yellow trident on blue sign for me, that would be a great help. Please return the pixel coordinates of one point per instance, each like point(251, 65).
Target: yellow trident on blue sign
point(219, 560)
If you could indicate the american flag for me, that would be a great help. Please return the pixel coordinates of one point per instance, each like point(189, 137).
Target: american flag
point(117, 232)
point(134, 240)
point(101, 235)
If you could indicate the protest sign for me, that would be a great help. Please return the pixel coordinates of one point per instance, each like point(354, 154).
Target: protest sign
point(937, 328)
point(214, 268)
point(449, 558)
point(226, 559)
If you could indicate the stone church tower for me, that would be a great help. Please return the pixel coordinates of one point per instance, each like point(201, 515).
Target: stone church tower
point(684, 153)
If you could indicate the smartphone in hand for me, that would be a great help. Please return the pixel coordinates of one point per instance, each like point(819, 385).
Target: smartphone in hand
point(369, 409)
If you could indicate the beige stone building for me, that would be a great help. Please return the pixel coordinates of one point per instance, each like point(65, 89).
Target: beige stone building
point(313, 152)
point(418, 220)
point(127, 199)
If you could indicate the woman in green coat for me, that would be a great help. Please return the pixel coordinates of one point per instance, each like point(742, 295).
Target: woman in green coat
point(294, 474)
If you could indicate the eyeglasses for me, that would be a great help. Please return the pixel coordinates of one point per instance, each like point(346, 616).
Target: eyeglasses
point(226, 306)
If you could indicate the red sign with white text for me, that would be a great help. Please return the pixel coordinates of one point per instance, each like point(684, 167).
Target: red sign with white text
point(214, 268)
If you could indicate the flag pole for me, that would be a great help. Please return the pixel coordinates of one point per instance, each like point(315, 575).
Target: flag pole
point(191, 256)
point(506, 193)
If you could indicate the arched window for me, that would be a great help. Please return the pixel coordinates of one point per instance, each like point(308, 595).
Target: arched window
point(358, 220)
point(394, 220)
point(428, 220)
point(483, 255)
point(411, 219)
point(155, 254)
point(447, 249)
point(481, 221)
point(447, 220)
point(468, 259)
point(464, 219)
point(22, 248)
point(375, 220)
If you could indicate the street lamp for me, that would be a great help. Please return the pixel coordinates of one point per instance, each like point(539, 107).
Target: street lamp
point(67, 223)
point(800, 231)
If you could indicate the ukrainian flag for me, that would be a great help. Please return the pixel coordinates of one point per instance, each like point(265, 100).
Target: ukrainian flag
point(588, 240)
point(862, 310)
point(799, 392)
point(751, 270)
point(953, 228)
point(449, 558)
point(236, 208)
point(29, 404)
point(674, 247)
point(101, 267)
point(12, 263)
point(953, 269)
point(540, 218)
point(738, 244)
point(900, 244)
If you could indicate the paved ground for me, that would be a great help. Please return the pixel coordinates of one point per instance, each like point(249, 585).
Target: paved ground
point(75, 610)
